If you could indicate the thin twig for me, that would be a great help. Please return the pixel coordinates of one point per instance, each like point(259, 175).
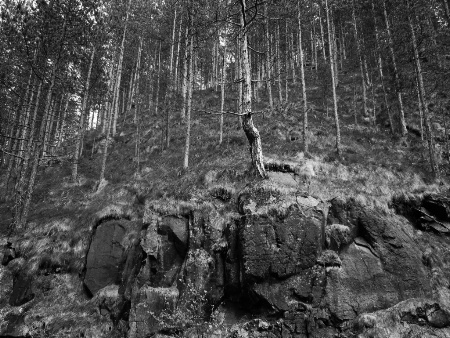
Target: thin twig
point(215, 112)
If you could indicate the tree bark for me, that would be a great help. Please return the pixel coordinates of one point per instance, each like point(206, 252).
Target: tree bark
point(29, 149)
point(277, 46)
point(222, 92)
point(302, 75)
point(396, 74)
point(39, 147)
point(267, 56)
point(380, 70)
point(360, 58)
point(177, 58)
point(76, 155)
point(250, 130)
point(119, 71)
point(430, 138)
point(189, 103)
point(336, 116)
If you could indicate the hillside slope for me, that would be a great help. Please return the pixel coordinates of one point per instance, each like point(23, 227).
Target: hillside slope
point(325, 247)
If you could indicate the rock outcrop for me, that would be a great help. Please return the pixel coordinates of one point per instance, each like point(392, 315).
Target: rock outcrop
point(266, 262)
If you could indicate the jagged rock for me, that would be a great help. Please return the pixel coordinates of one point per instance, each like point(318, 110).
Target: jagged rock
point(108, 259)
point(280, 247)
point(176, 228)
point(10, 325)
point(438, 206)
point(22, 291)
point(382, 267)
point(153, 309)
point(6, 282)
point(9, 253)
point(337, 236)
point(414, 317)
point(104, 256)
point(106, 299)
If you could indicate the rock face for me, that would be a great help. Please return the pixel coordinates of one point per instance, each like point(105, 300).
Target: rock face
point(105, 256)
point(265, 262)
point(322, 269)
point(279, 246)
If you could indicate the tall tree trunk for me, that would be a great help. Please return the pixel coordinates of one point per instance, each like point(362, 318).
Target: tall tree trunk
point(396, 74)
point(380, 70)
point(189, 102)
point(267, 57)
point(419, 100)
point(360, 59)
point(286, 63)
point(278, 56)
point(39, 146)
point(222, 92)
point(322, 36)
point(302, 74)
point(20, 198)
point(119, 71)
point(292, 57)
point(185, 73)
point(336, 116)
point(109, 112)
point(158, 80)
point(15, 134)
point(430, 137)
point(177, 58)
point(169, 90)
point(250, 130)
point(76, 155)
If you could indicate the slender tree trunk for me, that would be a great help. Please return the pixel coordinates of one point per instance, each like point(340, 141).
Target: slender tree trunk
point(20, 198)
point(39, 146)
point(15, 134)
point(267, 57)
point(189, 103)
point(250, 130)
point(185, 73)
point(420, 108)
point(177, 57)
point(302, 74)
point(119, 71)
point(216, 64)
point(360, 58)
point(322, 35)
point(336, 116)
point(380, 70)
point(286, 63)
point(76, 155)
point(396, 74)
point(169, 90)
point(158, 79)
point(430, 138)
point(222, 92)
point(278, 56)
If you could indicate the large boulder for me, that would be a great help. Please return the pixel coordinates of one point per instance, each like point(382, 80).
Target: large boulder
point(22, 291)
point(280, 246)
point(382, 266)
point(109, 254)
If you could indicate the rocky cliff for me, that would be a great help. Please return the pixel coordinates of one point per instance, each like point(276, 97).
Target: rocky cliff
point(264, 261)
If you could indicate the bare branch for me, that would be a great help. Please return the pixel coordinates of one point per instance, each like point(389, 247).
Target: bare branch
point(215, 112)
